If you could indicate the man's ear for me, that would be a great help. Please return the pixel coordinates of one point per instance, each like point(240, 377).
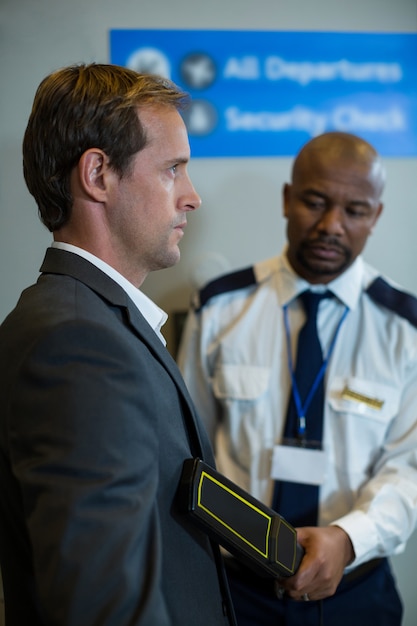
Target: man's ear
point(93, 170)
point(377, 216)
point(286, 192)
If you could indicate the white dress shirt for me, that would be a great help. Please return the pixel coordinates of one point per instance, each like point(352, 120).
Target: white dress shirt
point(155, 316)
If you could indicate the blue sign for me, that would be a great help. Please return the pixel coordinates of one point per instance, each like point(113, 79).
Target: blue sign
point(267, 93)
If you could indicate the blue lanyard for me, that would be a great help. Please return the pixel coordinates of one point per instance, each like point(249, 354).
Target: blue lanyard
point(300, 407)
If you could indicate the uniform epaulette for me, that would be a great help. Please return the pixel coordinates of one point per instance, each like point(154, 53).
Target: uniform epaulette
point(228, 282)
point(400, 302)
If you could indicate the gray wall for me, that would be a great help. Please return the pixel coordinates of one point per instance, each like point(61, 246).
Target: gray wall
point(240, 218)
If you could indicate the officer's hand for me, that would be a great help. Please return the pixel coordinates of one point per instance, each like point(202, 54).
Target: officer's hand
point(327, 552)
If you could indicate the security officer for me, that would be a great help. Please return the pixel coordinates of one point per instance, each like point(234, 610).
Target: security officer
point(237, 355)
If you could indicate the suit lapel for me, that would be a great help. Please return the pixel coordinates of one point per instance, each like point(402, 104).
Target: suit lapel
point(58, 261)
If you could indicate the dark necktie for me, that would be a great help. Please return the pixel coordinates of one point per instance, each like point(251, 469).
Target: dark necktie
point(296, 502)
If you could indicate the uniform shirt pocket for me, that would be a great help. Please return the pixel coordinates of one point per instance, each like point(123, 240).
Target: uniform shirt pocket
point(237, 382)
point(361, 413)
point(359, 397)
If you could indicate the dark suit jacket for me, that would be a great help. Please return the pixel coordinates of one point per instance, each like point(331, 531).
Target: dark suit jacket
point(94, 428)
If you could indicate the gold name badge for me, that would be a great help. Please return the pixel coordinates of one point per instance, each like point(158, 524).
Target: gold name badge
point(374, 403)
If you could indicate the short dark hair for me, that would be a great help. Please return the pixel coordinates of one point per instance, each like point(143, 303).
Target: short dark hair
point(81, 107)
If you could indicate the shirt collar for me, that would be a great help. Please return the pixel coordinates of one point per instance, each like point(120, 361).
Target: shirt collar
point(155, 316)
point(347, 287)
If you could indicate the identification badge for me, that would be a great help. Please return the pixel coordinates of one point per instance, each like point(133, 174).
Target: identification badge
point(298, 465)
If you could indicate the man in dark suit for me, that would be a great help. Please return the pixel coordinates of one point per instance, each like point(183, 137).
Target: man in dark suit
point(95, 418)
